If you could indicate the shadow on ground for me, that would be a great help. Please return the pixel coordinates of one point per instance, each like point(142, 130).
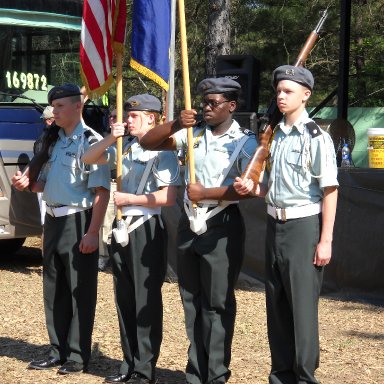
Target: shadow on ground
point(100, 364)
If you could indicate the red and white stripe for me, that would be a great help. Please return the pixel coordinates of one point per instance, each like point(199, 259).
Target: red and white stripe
point(101, 28)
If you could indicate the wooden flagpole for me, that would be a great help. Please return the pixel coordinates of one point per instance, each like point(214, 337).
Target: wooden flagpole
point(187, 90)
point(119, 114)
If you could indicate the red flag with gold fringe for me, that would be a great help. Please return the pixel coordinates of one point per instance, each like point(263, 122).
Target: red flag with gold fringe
point(102, 34)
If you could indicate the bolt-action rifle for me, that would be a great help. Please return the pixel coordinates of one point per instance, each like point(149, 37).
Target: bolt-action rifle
point(273, 116)
point(41, 151)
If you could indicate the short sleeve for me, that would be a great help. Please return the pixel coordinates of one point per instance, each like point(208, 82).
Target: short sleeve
point(166, 169)
point(323, 160)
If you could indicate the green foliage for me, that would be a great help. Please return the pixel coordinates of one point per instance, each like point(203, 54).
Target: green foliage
point(274, 31)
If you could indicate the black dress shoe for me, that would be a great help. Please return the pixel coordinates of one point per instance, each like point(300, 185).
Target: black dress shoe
point(138, 378)
point(48, 363)
point(72, 367)
point(120, 378)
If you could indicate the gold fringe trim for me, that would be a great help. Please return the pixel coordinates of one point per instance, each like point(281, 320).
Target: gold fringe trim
point(148, 73)
point(98, 92)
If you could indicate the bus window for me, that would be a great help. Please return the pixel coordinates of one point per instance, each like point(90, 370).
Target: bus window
point(40, 49)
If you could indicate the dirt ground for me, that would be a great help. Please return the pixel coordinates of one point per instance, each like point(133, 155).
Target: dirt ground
point(351, 333)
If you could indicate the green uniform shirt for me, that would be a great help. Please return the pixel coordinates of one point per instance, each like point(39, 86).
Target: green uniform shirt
point(68, 181)
point(300, 166)
point(212, 153)
point(165, 169)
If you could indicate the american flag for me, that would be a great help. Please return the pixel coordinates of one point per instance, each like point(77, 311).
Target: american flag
point(102, 34)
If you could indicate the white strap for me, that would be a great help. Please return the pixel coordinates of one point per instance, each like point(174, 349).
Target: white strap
point(202, 211)
point(146, 172)
point(141, 220)
point(139, 210)
point(140, 188)
point(231, 160)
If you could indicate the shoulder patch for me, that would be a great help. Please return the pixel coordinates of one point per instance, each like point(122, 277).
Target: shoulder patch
point(92, 139)
point(247, 132)
point(201, 124)
point(313, 129)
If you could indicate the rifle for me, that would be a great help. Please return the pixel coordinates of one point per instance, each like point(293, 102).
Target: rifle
point(273, 116)
point(41, 151)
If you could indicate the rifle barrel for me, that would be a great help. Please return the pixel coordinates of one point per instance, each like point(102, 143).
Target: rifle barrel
point(321, 21)
point(310, 41)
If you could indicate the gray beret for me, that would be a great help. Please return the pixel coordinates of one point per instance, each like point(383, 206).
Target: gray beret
point(299, 75)
point(218, 85)
point(47, 113)
point(65, 90)
point(144, 102)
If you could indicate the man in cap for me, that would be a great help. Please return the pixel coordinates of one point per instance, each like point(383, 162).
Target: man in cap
point(211, 235)
point(76, 196)
point(47, 115)
point(300, 188)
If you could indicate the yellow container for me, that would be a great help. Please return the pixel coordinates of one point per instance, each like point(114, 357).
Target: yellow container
point(376, 147)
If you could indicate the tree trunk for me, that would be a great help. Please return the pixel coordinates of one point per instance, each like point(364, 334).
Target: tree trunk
point(219, 33)
point(359, 57)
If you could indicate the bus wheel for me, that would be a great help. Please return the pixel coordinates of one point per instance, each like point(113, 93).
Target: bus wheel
point(9, 246)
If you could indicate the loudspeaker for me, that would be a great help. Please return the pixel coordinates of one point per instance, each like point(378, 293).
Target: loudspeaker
point(245, 69)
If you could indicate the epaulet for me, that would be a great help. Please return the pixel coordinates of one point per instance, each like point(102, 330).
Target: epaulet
point(247, 132)
point(92, 139)
point(201, 124)
point(313, 129)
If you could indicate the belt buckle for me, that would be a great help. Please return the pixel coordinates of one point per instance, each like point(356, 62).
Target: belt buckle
point(283, 214)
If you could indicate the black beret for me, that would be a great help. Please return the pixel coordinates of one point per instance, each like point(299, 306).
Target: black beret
point(299, 75)
point(65, 90)
point(218, 85)
point(144, 102)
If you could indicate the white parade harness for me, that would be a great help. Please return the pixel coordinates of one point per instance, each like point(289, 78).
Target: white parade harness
point(199, 215)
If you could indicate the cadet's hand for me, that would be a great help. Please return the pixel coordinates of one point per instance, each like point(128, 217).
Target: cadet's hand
point(89, 243)
point(187, 118)
point(243, 186)
point(323, 254)
point(20, 181)
point(196, 191)
point(122, 198)
point(118, 129)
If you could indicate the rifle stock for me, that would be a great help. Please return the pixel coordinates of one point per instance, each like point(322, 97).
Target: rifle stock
point(41, 152)
point(272, 117)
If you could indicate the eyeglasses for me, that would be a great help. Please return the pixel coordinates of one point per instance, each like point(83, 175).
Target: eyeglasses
point(213, 103)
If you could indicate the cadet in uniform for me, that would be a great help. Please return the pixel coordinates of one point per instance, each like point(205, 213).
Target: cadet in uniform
point(106, 229)
point(300, 188)
point(211, 236)
point(148, 182)
point(76, 196)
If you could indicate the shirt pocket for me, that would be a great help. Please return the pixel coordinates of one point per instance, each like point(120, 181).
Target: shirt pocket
point(294, 159)
point(71, 169)
point(47, 167)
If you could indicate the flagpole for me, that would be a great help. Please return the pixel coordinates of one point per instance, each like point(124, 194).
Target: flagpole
point(171, 91)
point(187, 91)
point(119, 114)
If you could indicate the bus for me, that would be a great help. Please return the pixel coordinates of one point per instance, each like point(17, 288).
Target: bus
point(39, 42)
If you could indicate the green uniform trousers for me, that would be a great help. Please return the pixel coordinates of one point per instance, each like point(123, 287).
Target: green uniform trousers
point(70, 287)
point(138, 274)
point(208, 268)
point(293, 285)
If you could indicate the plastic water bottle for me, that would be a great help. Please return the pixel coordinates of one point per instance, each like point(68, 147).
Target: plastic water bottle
point(345, 156)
